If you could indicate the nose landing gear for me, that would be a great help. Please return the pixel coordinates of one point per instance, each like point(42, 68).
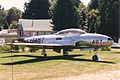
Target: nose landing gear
point(95, 57)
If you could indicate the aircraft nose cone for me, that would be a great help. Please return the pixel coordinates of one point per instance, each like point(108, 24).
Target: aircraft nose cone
point(110, 40)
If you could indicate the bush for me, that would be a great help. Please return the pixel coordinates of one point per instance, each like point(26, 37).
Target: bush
point(106, 49)
point(21, 48)
point(5, 48)
point(16, 47)
point(33, 49)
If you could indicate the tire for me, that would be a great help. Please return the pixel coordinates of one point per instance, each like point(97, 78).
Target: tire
point(77, 44)
point(95, 57)
point(65, 52)
point(45, 55)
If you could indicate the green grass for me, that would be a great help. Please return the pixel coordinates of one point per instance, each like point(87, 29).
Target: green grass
point(33, 66)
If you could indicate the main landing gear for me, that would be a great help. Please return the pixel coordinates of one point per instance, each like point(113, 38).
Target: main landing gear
point(44, 52)
point(65, 53)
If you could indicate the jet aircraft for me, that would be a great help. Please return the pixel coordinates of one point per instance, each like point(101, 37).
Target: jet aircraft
point(67, 40)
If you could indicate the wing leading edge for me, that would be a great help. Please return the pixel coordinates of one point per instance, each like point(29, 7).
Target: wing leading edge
point(36, 44)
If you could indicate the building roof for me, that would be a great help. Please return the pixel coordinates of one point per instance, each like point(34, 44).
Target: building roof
point(36, 25)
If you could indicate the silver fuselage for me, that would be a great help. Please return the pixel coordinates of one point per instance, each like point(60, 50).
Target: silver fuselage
point(83, 40)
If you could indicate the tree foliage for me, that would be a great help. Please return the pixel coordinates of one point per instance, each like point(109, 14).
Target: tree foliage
point(76, 3)
point(2, 15)
point(65, 15)
point(93, 21)
point(36, 9)
point(83, 19)
point(13, 15)
point(109, 20)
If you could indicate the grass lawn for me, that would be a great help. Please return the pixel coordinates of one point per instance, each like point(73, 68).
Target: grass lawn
point(33, 66)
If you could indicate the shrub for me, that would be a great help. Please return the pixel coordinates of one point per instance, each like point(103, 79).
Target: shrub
point(33, 49)
point(5, 48)
point(106, 49)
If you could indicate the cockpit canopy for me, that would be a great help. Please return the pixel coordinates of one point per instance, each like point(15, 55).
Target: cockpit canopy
point(70, 32)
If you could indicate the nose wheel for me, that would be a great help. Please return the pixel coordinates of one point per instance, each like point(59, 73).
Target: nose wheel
point(95, 57)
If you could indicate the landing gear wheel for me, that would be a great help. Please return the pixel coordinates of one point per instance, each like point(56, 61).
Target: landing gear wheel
point(44, 52)
point(65, 53)
point(45, 55)
point(95, 57)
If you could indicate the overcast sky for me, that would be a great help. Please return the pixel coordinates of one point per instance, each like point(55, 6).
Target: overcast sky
point(7, 4)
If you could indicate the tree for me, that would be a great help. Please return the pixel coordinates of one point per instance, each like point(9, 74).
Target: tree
point(2, 15)
point(13, 15)
point(93, 21)
point(36, 9)
point(109, 18)
point(76, 3)
point(65, 15)
point(83, 18)
point(13, 25)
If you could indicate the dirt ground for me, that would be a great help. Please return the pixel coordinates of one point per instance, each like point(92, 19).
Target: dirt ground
point(113, 74)
point(104, 75)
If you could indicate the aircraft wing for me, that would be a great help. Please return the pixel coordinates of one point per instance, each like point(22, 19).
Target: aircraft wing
point(37, 44)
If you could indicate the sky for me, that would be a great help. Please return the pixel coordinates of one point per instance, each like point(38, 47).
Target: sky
point(7, 4)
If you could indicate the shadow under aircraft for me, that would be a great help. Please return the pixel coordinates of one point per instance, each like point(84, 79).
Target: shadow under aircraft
point(41, 59)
